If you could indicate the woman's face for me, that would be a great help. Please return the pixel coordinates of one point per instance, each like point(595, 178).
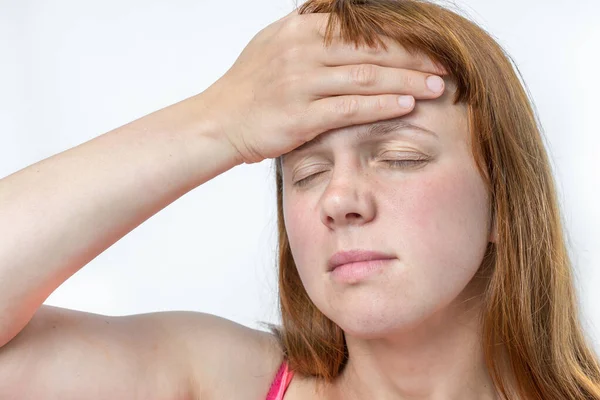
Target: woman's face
point(431, 215)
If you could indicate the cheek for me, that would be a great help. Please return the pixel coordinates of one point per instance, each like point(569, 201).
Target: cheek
point(443, 224)
point(301, 230)
point(437, 224)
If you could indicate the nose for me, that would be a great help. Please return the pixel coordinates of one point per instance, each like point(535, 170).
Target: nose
point(347, 201)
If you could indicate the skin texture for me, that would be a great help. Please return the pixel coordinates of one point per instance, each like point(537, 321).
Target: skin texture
point(411, 328)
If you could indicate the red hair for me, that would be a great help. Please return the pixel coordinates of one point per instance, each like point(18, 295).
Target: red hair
point(530, 305)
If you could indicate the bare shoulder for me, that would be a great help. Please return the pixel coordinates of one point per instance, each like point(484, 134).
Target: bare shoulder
point(67, 354)
point(228, 359)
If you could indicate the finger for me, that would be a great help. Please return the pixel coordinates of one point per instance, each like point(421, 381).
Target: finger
point(336, 112)
point(340, 53)
point(396, 55)
point(370, 79)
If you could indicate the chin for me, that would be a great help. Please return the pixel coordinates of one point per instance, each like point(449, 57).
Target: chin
point(379, 314)
point(366, 331)
point(373, 323)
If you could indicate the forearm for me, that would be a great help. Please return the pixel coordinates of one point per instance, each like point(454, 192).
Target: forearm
point(60, 213)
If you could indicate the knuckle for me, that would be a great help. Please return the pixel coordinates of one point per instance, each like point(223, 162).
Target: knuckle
point(372, 50)
point(286, 57)
point(348, 107)
point(292, 53)
point(381, 103)
point(408, 81)
point(291, 84)
point(283, 69)
point(294, 25)
point(363, 75)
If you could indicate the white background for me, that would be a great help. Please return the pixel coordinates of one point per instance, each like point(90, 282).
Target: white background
point(71, 70)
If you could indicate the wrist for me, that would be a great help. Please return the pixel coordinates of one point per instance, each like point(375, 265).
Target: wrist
point(209, 123)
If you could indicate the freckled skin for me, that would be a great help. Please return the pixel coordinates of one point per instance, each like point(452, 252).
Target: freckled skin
point(409, 329)
point(412, 328)
point(434, 218)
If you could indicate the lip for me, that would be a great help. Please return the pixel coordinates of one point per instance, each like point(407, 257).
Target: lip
point(345, 257)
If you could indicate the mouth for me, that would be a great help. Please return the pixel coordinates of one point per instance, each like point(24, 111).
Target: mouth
point(353, 256)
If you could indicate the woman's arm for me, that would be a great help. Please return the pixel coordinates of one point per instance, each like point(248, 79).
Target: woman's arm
point(60, 213)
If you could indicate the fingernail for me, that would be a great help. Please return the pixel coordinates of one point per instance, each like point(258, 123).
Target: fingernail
point(435, 83)
point(405, 101)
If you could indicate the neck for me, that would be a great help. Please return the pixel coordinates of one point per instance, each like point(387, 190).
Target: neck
point(439, 358)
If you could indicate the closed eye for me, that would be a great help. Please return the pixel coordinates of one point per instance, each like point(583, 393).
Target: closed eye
point(393, 163)
point(404, 163)
point(305, 181)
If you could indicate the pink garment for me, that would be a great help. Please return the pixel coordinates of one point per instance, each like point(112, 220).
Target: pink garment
point(281, 382)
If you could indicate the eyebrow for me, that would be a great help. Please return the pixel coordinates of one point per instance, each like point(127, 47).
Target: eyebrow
point(375, 130)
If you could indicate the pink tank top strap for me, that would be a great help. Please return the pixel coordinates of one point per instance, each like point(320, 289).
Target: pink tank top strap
point(281, 382)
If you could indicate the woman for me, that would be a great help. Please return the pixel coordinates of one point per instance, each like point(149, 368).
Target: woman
point(448, 194)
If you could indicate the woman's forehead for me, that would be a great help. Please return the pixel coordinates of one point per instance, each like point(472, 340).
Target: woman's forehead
point(431, 119)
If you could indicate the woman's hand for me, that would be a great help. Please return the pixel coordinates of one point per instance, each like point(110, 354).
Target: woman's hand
point(286, 87)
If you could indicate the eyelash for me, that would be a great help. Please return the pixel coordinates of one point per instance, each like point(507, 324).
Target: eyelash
point(394, 163)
